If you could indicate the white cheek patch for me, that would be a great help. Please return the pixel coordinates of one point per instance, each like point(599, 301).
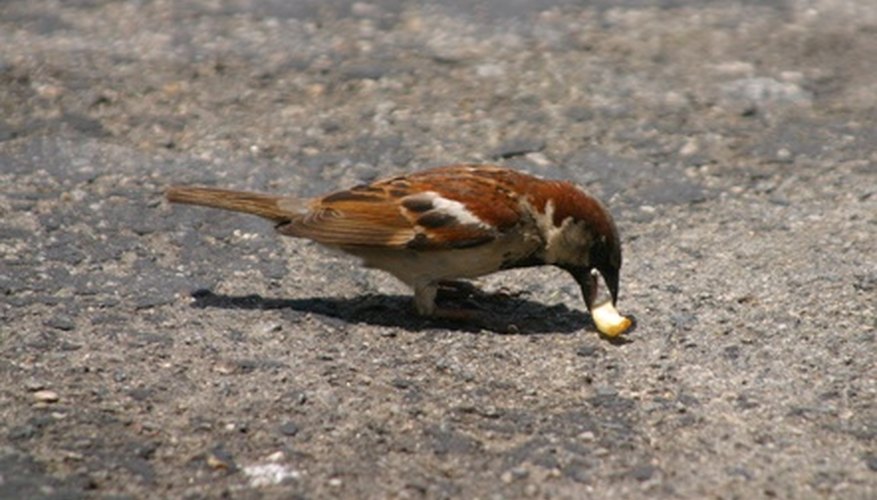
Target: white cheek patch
point(454, 209)
point(563, 243)
point(544, 220)
point(551, 233)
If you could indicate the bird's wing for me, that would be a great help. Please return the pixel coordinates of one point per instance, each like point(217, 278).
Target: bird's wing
point(444, 208)
point(353, 217)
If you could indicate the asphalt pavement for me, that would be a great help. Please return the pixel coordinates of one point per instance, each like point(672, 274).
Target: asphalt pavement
point(149, 350)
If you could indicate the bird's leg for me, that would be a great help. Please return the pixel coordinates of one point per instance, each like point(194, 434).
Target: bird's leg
point(424, 300)
point(466, 290)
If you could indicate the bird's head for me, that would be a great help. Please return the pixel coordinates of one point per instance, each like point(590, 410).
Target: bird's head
point(581, 237)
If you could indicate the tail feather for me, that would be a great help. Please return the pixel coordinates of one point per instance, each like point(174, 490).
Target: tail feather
point(275, 208)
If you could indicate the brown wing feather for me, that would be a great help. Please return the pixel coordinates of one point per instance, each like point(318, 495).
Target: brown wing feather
point(491, 192)
point(402, 212)
point(361, 216)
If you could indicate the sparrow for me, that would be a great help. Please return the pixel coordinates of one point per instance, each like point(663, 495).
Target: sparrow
point(447, 223)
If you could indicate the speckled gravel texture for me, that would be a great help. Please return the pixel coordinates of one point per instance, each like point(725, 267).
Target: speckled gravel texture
point(157, 351)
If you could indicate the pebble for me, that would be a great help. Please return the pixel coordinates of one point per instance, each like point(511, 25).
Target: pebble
point(271, 327)
point(34, 385)
point(587, 436)
point(401, 383)
point(225, 367)
point(587, 351)
point(643, 472)
point(517, 147)
point(269, 474)
point(578, 473)
point(46, 396)
point(515, 473)
point(220, 458)
point(289, 429)
point(61, 322)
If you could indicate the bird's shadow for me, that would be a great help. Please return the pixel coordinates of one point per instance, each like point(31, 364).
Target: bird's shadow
point(501, 313)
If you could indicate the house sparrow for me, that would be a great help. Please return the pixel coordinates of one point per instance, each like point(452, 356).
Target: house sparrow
point(446, 223)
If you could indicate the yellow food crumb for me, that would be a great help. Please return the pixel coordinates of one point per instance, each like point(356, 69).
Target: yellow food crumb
point(608, 321)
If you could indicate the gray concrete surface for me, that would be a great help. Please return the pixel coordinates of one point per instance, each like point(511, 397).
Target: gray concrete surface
point(151, 351)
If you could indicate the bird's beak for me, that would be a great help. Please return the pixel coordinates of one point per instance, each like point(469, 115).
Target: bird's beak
point(588, 283)
point(610, 276)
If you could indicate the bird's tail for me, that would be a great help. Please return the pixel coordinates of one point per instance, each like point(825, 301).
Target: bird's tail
point(275, 208)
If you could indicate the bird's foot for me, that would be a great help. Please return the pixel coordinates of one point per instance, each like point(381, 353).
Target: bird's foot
point(466, 290)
